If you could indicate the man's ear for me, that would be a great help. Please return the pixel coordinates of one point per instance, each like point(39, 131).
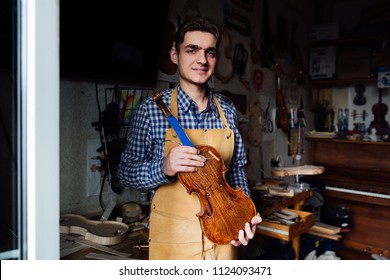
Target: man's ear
point(174, 55)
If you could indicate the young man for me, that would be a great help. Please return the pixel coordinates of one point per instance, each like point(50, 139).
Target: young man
point(154, 155)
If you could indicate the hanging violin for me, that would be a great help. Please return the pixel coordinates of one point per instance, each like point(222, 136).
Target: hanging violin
point(281, 109)
point(379, 110)
point(224, 210)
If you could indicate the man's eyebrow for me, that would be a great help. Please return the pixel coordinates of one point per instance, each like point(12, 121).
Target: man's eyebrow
point(197, 47)
point(193, 46)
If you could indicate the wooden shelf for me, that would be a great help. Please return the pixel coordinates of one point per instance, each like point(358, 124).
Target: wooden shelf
point(358, 42)
point(342, 82)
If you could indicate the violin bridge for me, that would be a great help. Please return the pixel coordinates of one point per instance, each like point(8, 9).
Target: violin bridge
point(214, 156)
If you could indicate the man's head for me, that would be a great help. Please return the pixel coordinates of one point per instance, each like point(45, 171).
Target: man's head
point(195, 51)
point(196, 24)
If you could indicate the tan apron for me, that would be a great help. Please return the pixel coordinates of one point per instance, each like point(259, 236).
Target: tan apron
point(175, 230)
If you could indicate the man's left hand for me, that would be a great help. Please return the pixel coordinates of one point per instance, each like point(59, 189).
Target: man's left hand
point(249, 233)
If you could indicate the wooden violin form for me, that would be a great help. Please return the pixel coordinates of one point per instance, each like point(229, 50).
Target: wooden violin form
point(101, 232)
point(224, 210)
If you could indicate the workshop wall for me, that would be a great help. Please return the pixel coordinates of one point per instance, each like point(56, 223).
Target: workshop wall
point(241, 22)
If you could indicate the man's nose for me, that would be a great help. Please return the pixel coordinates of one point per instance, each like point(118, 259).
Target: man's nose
point(202, 58)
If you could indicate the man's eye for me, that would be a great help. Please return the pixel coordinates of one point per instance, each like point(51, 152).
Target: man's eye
point(212, 53)
point(191, 51)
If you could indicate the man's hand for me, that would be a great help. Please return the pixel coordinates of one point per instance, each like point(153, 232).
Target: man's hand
point(182, 159)
point(249, 233)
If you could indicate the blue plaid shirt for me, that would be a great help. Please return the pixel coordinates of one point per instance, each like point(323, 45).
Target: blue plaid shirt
point(141, 165)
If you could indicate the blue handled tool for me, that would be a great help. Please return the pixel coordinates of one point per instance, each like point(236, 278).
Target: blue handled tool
point(157, 97)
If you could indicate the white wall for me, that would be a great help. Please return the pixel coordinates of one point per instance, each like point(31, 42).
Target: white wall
point(40, 129)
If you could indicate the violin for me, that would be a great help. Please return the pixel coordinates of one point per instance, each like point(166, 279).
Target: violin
point(224, 210)
point(379, 110)
point(281, 110)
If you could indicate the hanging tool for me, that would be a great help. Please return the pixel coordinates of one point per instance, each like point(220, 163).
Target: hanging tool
point(240, 59)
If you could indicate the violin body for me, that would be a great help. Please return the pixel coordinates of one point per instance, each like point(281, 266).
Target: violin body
point(379, 110)
point(224, 210)
point(281, 117)
point(281, 113)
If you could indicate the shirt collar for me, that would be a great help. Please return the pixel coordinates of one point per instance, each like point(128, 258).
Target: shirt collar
point(185, 102)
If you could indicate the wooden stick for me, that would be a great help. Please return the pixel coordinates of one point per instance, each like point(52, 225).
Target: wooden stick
point(98, 256)
point(99, 247)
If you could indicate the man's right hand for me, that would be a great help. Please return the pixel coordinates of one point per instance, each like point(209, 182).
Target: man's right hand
point(182, 159)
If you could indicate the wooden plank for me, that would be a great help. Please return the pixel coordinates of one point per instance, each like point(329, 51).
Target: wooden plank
point(98, 256)
point(323, 235)
point(98, 247)
point(73, 248)
point(325, 228)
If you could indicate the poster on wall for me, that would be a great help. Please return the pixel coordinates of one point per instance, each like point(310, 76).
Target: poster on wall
point(269, 111)
point(384, 77)
point(322, 63)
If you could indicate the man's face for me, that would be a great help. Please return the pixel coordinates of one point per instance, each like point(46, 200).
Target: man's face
point(197, 59)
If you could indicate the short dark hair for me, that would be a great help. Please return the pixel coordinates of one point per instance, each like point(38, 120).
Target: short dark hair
point(196, 24)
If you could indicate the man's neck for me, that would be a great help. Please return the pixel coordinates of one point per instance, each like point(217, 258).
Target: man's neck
point(197, 94)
